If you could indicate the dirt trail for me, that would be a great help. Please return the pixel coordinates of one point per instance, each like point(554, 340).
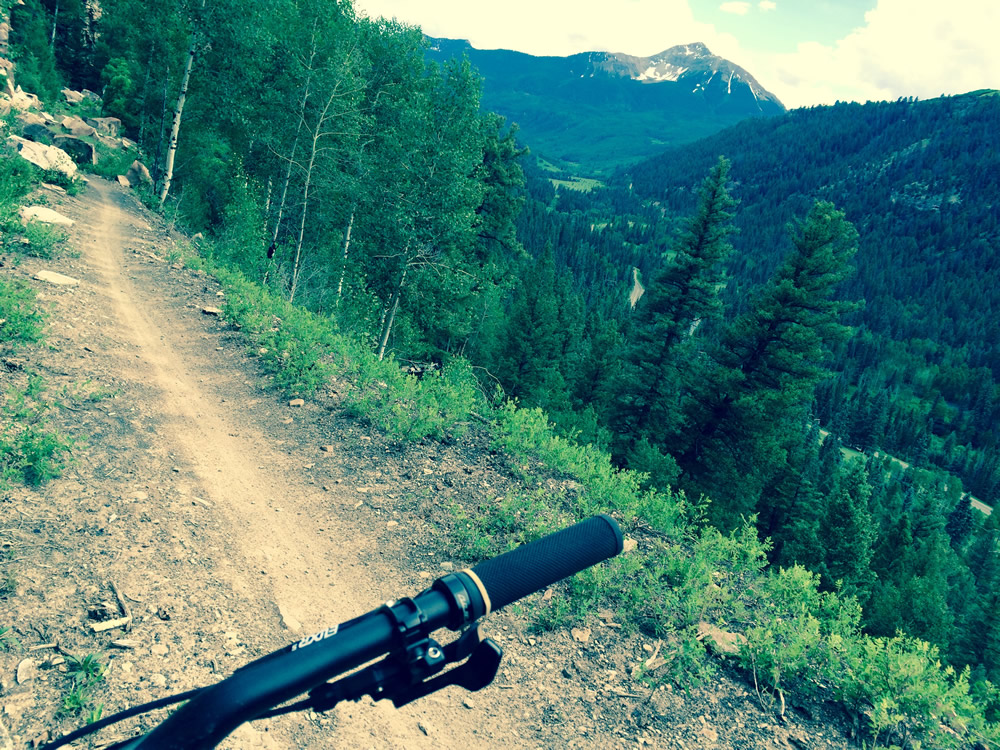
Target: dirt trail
point(246, 549)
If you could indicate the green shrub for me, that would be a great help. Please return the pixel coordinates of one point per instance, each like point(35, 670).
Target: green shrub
point(111, 162)
point(15, 183)
point(409, 408)
point(30, 450)
point(8, 641)
point(303, 351)
point(44, 240)
point(296, 346)
point(21, 321)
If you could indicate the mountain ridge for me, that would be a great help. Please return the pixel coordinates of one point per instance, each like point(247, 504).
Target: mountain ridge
point(596, 111)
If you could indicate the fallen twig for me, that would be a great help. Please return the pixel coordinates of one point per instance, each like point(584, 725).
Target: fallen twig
point(126, 610)
point(121, 622)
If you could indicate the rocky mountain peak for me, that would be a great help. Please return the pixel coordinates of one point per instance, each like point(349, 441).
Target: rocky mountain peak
point(695, 67)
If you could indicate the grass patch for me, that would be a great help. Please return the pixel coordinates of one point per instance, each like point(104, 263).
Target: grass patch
point(21, 320)
point(31, 451)
point(303, 351)
point(581, 184)
point(84, 673)
point(43, 240)
point(111, 162)
point(8, 641)
point(16, 177)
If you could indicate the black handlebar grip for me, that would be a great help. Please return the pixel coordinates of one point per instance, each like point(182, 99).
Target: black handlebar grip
point(536, 565)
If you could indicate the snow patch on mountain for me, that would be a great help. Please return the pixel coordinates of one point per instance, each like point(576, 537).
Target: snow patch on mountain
point(661, 72)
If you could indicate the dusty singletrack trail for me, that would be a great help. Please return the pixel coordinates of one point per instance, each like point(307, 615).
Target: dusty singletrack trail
point(218, 527)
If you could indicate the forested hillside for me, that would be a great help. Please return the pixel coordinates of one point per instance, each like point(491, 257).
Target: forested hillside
point(828, 284)
point(692, 386)
point(918, 179)
point(332, 160)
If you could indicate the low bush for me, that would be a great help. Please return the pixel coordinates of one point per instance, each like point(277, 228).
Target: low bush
point(43, 240)
point(21, 320)
point(15, 183)
point(111, 162)
point(31, 451)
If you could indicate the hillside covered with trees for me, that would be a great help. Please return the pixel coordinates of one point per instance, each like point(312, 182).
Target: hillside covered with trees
point(899, 364)
point(813, 281)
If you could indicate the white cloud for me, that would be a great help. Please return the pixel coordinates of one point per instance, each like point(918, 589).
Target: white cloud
point(918, 48)
point(736, 8)
point(904, 48)
point(557, 27)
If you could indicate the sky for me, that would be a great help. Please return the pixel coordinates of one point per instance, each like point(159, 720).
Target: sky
point(805, 52)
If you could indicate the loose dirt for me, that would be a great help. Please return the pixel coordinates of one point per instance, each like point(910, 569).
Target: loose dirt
point(232, 523)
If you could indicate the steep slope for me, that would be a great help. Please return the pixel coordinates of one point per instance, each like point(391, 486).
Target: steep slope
point(599, 110)
point(914, 176)
point(918, 179)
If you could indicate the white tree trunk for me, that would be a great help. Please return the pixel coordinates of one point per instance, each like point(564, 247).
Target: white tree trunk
point(178, 111)
point(295, 142)
point(390, 318)
point(168, 167)
point(55, 21)
point(343, 267)
point(305, 211)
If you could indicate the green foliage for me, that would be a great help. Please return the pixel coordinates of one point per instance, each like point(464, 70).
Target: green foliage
point(21, 320)
point(303, 350)
point(44, 240)
point(111, 161)
point(84, 673)
point(119, 89)
point(646, 458)
point(296, 346)
point(908, 696)
point(85, 670)
point(795, 634)
point(8, 641)
point(36, 62)
point(15, 184)
point(30, 450)
point(683, 296)
point(799, 639)
point(752, 390)
point(438, 405)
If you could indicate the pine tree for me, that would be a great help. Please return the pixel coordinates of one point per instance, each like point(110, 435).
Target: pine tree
point(960, 521)
point(850, 534)
point(35, 69)
point(762, 375)
point(529, 363)
point(682, 296)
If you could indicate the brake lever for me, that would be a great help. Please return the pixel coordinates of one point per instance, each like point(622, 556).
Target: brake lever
point(399, 677)
point(474, 674)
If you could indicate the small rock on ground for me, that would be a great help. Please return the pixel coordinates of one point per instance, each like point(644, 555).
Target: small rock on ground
point(56, 278)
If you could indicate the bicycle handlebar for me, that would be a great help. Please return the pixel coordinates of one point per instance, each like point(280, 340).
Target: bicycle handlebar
point(453, 601)
point(534, 566)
